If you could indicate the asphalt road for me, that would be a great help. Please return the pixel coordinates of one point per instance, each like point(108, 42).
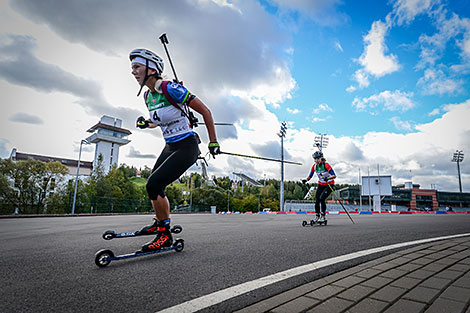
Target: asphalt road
point(47, 264)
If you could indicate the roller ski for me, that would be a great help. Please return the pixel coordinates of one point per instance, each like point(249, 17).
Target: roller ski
point(161, 243)
point(104, 256)
point(148, 230)
point(319, 220)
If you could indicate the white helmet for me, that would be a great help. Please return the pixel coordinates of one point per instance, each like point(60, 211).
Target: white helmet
point(148, 55)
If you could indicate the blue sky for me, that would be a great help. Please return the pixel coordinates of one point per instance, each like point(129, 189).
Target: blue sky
point(387, 81)
point(326, 59)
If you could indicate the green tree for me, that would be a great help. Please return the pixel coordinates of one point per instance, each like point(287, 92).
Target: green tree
point(26, 184)
point(174, 195)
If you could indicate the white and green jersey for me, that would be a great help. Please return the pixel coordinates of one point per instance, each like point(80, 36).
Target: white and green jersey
point(174, 124)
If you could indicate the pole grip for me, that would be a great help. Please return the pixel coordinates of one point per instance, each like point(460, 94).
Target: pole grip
point(163, 38)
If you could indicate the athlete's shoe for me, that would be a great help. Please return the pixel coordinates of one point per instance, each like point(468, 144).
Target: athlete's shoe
point(316, 219)
point(322, 219)
point(148, 230)
point(162, 240)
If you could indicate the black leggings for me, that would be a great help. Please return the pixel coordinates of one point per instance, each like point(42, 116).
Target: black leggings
point(323, 192)
point(174, 160)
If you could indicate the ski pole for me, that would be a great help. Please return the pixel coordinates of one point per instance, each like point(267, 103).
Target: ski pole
point(164, 39)
point(340, 202)
point(259, 158)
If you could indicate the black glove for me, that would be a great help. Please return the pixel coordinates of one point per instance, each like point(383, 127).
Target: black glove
point(142, 122)
point(214, 148)
point(304, 181)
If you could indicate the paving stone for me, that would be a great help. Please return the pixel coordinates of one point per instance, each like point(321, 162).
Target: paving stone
point(349, 281)
point(377, 282)
point(449, 274)
point(355, 293)
point(445, 306)
point(409, 267)
point(459, 267)
point(333, 305)
point(428, 251)
point(406, 282)
point(458, 248)
point(298, 305)
point(422, 294)
point(457, 294)
point(393, 273)
point(368, 273)
point(423, 261)
point(341, 275)
point(375, 262)
point(420, 274)
point(463, 281)
point(325, 292)
point(434, 267)
point(405, 306)
point(447, 261)
point(388, 293)
point(436, 283)
point(414, 255)
point(368, 305)
point(400, 261)
point(461, 255)
point(384, 266)
point(465, 261)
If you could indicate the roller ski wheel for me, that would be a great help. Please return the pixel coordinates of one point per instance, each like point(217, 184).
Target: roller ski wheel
point(306, 223)
point(179, 245)
point(104, 257)
point(111, 234)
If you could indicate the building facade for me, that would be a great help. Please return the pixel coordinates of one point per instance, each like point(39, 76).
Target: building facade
point(411, 197)
point(85, 167)
point(108, 136)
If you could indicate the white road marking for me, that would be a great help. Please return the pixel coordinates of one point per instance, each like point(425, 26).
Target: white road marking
point(231, 292)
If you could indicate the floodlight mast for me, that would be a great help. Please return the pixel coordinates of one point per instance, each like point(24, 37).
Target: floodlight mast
point(282, 134)
point(321, 141)
point(458, 157)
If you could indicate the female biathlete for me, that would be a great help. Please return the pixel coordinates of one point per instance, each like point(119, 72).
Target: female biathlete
point(326, 177)
point(181, 148)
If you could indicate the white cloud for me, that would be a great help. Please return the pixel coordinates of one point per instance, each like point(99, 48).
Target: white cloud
point(318, 119)
point(22, 117)
point(373, 59)
point(405, 11)
point(401, 125)
point(434, 112)
point(361, 77)
point(4, 148)
point(338, 46)
point(322, 107)
point(396, 153)
point(389, 101)
point(133, 153)
point(437, 82)
point(351, 88)
point(293, 111)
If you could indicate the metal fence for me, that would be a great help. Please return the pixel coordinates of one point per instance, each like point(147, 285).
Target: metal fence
point(96, 205)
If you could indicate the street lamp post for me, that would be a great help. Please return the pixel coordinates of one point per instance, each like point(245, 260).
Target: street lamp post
point(458, 157)
point(282, 134)
point(78, 171)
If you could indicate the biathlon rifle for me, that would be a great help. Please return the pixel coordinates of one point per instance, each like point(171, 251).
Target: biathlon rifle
point(192, 119)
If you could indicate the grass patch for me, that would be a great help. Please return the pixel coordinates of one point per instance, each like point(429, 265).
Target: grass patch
point(139, 181)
